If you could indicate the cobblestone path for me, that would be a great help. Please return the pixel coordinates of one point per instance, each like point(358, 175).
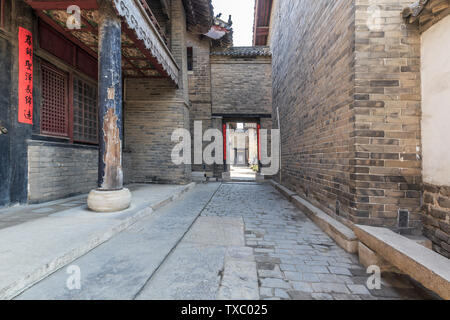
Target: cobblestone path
point(295, 259)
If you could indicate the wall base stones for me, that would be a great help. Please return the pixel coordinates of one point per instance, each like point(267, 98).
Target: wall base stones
point(436, 217)
point(59, 170)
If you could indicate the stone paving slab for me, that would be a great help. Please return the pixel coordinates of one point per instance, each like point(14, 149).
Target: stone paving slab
point(295, 259)
point(120, 268)
point(248, 243)
point(32, 250)
point(217, 231)
point(192, 272)
point(240, 279)
point(215, 265)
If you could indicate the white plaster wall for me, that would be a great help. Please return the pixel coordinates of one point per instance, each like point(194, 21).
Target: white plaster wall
point(436, 103)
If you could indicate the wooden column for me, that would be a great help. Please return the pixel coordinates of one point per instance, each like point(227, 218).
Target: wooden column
point(110, 174)
point(111, 195)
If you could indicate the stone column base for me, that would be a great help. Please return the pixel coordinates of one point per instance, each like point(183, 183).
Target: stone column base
point(109, 201)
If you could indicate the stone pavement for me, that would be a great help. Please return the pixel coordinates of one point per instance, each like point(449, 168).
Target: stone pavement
point(121, 267)
point(295, 259)
point(222, 241)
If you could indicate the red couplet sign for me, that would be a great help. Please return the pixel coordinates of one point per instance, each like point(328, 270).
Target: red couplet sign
point(25, 76)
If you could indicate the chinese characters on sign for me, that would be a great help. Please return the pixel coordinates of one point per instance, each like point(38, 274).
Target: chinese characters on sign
point(25, 76)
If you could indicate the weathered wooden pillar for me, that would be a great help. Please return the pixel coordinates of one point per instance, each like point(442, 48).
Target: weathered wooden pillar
point(110, 196)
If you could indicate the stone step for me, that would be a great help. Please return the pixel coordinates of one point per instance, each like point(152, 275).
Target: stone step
point(429, 268)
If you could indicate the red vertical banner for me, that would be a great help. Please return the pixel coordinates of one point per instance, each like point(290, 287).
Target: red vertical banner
point(224, 129)
point(25, 76)
point(258, 134)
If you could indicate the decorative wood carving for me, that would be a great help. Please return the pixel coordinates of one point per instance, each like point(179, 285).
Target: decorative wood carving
point(137, 20)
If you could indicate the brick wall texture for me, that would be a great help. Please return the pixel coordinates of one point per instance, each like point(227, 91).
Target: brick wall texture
point(56, 172)
point(225, 85)
point(241, 85)
point(348, 89)
point(199, 80)
point(153, 109)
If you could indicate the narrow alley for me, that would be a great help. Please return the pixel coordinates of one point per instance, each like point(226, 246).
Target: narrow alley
point(237, 240)
point(225, 150)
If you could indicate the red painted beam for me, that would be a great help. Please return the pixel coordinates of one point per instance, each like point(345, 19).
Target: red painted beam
point(263, 10)
point(224, 133)
point(258, 133)
point(262, 31)
point(62, 5)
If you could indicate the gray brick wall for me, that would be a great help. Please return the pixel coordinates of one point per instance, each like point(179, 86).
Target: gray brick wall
point(313, 58)
point(387, 108)
point(58, 171)
point(200, 89)
point(153, 109)
point(437, 218)
point(349, 99)
point(148, 146)
point(241, 85)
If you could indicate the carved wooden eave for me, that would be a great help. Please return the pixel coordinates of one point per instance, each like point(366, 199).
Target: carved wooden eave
point(144, 52)
point(413, 11)
point(143, 29)
point(199, 15)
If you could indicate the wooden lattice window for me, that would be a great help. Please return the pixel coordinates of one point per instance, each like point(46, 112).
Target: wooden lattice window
point(85, 111)
point(55, 107)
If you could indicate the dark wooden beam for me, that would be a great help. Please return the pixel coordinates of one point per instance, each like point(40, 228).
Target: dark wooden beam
point(62, 5)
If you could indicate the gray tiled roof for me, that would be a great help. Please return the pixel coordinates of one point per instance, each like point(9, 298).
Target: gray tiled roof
point(244, 52)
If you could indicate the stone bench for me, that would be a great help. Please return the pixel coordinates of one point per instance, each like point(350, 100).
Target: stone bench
point(340, 233)
point(420, 263)
point(283, 190)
